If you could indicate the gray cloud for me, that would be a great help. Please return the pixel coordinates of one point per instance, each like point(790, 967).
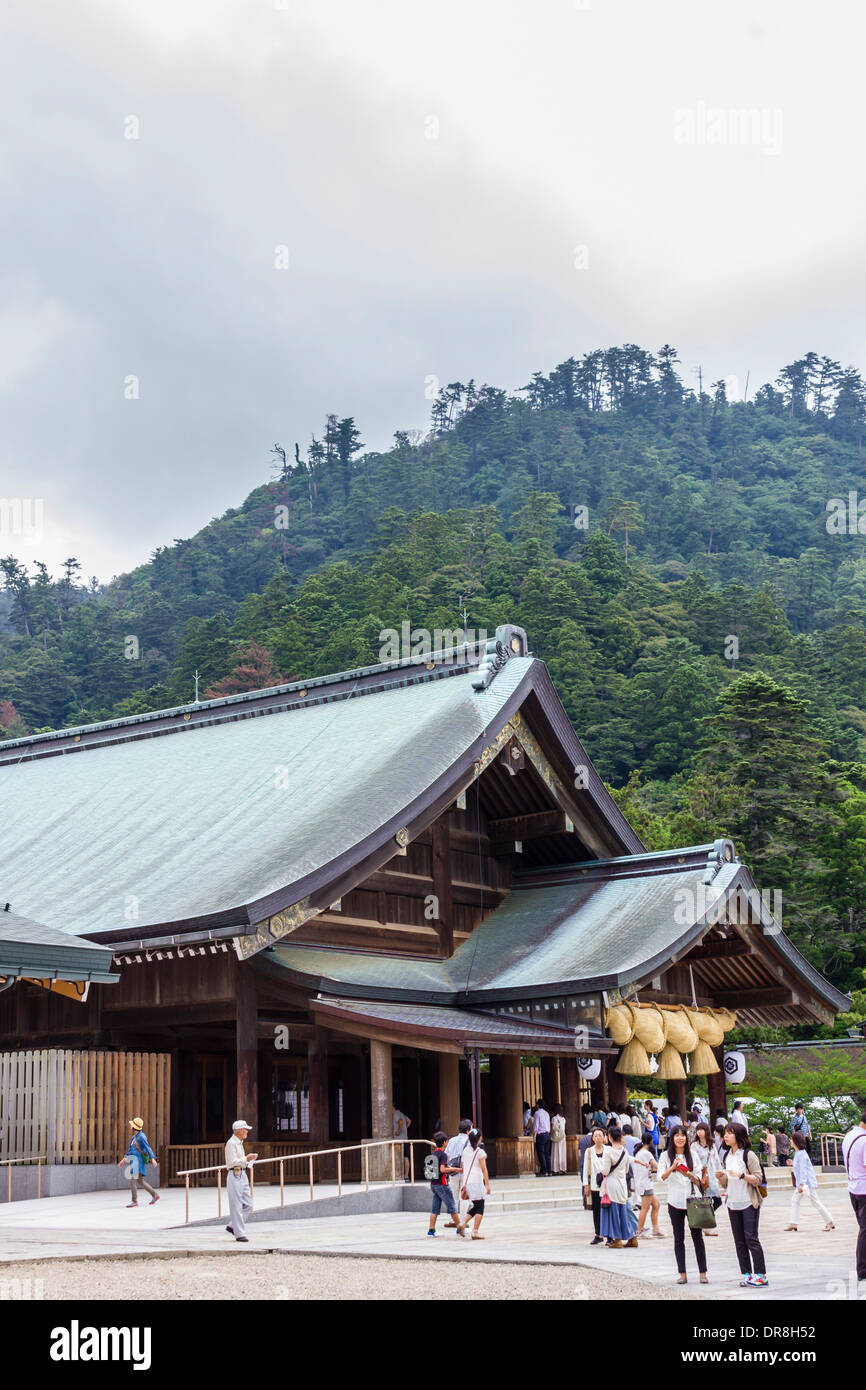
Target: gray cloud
point(409, 256)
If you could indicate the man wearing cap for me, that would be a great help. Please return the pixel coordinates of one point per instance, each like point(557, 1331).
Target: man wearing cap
point(237, 1182)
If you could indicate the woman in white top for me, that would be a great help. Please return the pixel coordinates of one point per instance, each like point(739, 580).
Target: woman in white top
point(806, 1184)
point(741, 1177)
point(644, 1165)
point(706, 1161)
point(475, 1182)
point(677, 1168)
point(618, 1222)
point(592, 1176)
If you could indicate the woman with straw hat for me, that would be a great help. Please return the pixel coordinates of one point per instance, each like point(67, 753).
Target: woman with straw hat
point(137, 1156)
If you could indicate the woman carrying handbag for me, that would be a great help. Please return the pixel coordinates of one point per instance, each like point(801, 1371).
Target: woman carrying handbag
point(618, 1221)
point(705, 1159)
point(678, 1169)
point(476, 1183)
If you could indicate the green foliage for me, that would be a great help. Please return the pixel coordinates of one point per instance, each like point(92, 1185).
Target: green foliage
point(833, 1077)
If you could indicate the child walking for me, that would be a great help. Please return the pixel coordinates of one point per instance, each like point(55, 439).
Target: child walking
point(440, 1169)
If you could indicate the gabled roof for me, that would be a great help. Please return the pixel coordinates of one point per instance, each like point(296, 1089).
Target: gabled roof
point(609, 926)
point(212, 816)
point(601, 926)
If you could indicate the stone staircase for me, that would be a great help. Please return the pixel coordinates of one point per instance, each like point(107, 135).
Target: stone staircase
point(546, 1194)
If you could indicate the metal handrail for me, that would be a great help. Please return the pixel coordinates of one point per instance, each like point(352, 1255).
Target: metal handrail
point(38, 1159)
point(311, 1155)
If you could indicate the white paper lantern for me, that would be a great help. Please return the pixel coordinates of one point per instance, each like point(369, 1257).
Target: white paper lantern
point(734, 1068)
point(589, 1067)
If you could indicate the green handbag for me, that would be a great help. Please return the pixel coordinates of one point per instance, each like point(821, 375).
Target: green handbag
point(700, 1213)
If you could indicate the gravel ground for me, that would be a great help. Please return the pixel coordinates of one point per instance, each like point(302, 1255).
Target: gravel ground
point(274, 1276)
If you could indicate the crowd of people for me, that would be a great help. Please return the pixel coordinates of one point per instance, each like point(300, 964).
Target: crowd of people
point(629, 1159)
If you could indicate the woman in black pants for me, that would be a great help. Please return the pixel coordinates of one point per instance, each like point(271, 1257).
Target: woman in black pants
point(591, 1173)
point(678, 1171)
point(742, 1177)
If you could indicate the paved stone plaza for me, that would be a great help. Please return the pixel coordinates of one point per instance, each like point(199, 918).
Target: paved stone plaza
point(808, 1264)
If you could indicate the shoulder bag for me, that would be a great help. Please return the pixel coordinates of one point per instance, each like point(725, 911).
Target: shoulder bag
point(700, 1213)
point(464, 1194)
point(758, 1193)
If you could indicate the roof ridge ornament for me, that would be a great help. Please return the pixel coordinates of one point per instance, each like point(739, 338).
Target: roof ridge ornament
point(507, 642)
point(721, 852)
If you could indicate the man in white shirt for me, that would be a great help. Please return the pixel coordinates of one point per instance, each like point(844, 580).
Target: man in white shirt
point(737, 1116)
point(237, 1182)
point(541, 1131)
point(454, 1153)
point(401, 1131)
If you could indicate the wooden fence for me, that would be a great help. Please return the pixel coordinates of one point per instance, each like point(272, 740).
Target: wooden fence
point(75, 1107)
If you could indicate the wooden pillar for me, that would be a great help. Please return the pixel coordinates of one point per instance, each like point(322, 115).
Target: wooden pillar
point(677, 1098)
point(717, 1090)
point(449, 1091)
point(617, 1086)
point(550, 1081)
point(569, 1080)
point(317, 1067)
point(444, 921)
point(247, 1044)
point(381, 1108)
point(505, 1074)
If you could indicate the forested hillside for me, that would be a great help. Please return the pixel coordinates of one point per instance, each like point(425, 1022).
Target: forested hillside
point(677, 559)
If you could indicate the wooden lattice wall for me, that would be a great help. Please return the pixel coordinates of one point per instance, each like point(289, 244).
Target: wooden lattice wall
point(75, 1107)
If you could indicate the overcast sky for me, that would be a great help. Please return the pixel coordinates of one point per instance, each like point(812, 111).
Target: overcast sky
point(464, 190)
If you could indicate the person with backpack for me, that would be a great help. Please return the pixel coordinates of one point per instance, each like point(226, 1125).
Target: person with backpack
point(437, 1171)
point(558, 1154)
point(137, 1157)
point(476, 1182)
point(743, 1180)
point(805, 1184)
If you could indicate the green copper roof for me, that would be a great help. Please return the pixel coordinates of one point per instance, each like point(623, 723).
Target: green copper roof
point(618, 923)
point(144, 827)
point(31, 949)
